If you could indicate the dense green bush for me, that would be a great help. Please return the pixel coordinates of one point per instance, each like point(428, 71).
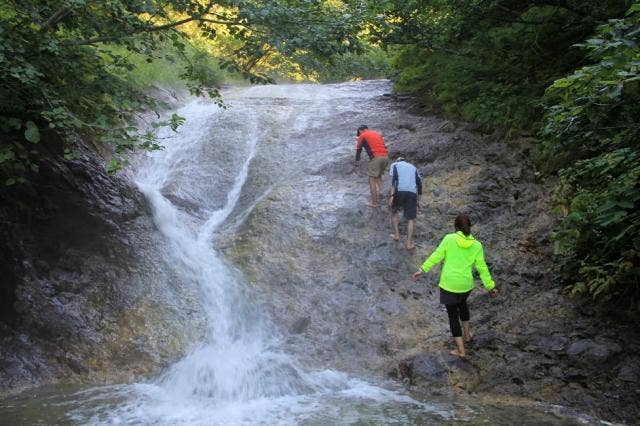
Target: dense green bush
point(592, 135)
point(537, 66)
point(453, 85)
point(168, 66)
point(488, 62)
point(61, 71)
point(371, 64)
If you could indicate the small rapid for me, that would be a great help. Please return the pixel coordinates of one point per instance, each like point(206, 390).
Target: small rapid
point(237, 374)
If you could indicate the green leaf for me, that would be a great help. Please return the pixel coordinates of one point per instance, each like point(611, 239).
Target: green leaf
point(69, 154)
point(562, 83)
point(113, 166)
point(634, 8)
point(31, 133)
point(7, 155)
point(14, 123)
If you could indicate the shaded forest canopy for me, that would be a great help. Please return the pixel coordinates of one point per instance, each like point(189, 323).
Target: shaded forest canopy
point(565, 70)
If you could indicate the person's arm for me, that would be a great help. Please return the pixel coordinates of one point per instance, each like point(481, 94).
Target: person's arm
point(483, 271)
point(356, 165)
point(418, 188)
point(393, 185)
point(393, 182)
point(435, 258)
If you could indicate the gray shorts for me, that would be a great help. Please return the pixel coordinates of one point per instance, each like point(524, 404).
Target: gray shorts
point(377, 166)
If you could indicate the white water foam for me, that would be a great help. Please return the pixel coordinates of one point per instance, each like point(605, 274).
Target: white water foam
point(237, 375)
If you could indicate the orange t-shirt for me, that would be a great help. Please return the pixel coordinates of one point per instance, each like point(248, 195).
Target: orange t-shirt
point(373, 143)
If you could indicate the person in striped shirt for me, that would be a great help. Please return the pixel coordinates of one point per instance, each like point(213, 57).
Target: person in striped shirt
point(405, 192)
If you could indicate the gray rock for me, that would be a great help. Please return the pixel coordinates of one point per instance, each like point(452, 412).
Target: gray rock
point(587, 350)
point(300, 325)
point(447, 127)
point(423, 368)
point(429, 366)
point(310, 249)
point(630, 371)
point(91, 280)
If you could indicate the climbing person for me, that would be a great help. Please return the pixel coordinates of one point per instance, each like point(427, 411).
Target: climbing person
point(373, 144)
point(405, 192)
point(460, 252)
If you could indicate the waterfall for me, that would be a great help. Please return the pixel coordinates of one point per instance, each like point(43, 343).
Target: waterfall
point(292, 140)
point(236, 374)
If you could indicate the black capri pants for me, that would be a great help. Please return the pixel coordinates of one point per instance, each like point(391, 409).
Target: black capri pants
point(457, 309)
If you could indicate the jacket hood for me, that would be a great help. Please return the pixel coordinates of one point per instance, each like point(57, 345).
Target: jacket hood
point(464, 241)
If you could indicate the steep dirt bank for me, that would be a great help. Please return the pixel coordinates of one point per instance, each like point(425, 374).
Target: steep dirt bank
point(340, 287)
point(87, 293)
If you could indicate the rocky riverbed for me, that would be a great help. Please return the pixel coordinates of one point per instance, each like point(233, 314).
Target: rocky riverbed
point(340, 287)
point(91, 293)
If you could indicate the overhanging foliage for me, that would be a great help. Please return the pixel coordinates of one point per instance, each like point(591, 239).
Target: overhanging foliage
point(59, 73)
point(592, 135)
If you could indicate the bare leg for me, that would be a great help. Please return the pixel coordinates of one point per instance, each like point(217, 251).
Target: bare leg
point(460, 351)
point(466, 331)
point(409, 244)
point(380, 184)
point(373, 189)
point(395, 222)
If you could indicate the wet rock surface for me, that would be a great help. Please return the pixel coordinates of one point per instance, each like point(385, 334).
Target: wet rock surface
point(88, 295)
point(339, 287)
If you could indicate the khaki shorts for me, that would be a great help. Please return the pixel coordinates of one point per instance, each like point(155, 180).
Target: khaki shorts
point(377, 166)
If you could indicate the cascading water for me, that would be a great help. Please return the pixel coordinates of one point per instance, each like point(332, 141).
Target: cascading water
point(237, 374)
point(210, 175)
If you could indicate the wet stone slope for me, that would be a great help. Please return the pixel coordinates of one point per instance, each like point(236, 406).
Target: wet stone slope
point(88, 294)
point(339, 287)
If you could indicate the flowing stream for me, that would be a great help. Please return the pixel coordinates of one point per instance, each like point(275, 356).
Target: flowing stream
point(237, 374)
point(207, 179)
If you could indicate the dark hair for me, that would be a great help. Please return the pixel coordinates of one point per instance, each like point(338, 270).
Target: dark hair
point(463, 223)
point(362, 128)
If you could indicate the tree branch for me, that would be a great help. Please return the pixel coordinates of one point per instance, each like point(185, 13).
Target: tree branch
point(563, 4)
point(53, 21)
point(151, 29)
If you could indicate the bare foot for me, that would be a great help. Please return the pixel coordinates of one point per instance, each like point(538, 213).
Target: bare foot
point(409, 247)
point(373, 206)
point(395, 237)
point(468, 338)
point(458, 354)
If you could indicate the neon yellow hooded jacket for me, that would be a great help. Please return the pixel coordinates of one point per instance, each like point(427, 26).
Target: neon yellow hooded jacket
point(460, 253)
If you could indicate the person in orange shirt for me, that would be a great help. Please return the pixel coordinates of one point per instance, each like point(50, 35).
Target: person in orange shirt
point(373, 144)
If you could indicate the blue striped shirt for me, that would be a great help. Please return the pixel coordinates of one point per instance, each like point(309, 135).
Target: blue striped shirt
point(405, 177)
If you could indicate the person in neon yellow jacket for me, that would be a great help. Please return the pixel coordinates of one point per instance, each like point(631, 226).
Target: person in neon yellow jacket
point(460, 252)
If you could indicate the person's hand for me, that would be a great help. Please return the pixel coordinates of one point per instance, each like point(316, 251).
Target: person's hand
point(390, 202)
point(416, 276)
point(494, 293)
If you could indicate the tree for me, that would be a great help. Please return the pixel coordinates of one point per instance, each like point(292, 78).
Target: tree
point(591, 136)
point(59, 72)
point(488, 61)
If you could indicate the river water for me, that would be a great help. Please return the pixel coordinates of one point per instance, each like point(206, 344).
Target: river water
point(203, 184)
